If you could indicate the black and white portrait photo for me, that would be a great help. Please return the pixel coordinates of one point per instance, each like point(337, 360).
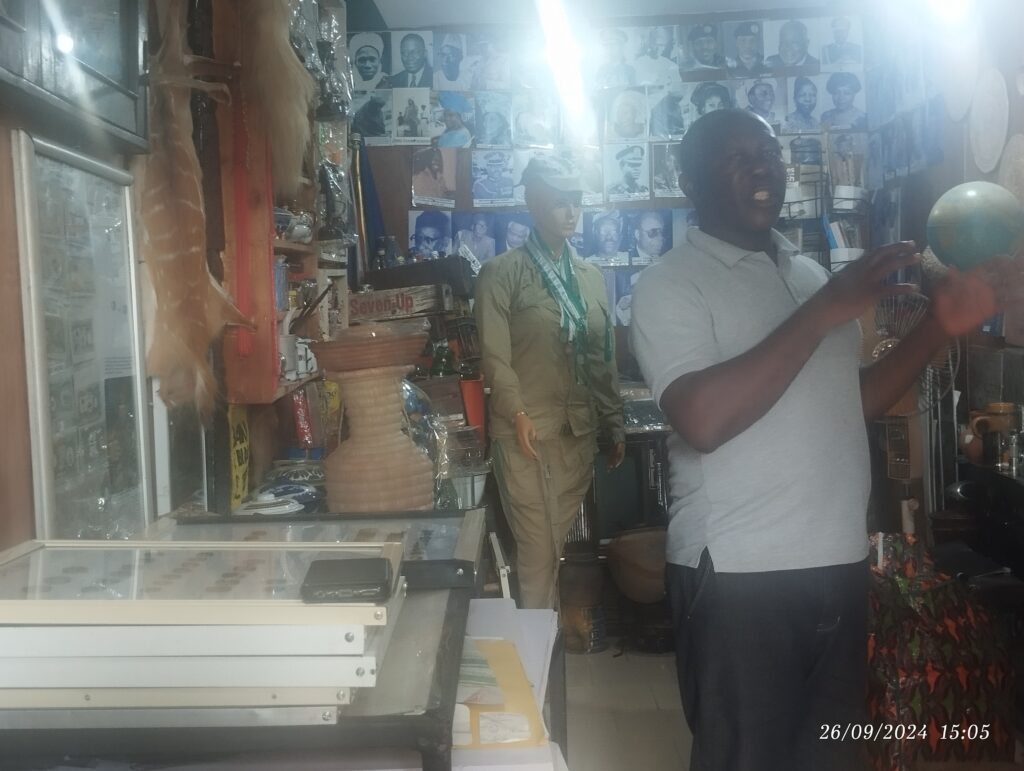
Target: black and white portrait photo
point(475, 231)
point(589, 161)
point(490, 61)
point(411, 54)
point(846, 111)
point(744, 48)
point(535, 118)
point(874, 165)
point(412, 116)
point(670, 110)
point(653, 64)
point(433, 177)
point(429, 232)
point(765, 97)
point(492, 178)
point(847, 153)
point(453, 69)
point(650, 235)
point(702, 48)
point(792, 44)
point(806, 95)
point(843, 48)
point(372, 116)
point(511, 230)
point(604, 238)
point(493, 119)
point(371, 56)
point(710, 96)
point(612, 57)
point(625, 115)
point(665, 169)
point(626, 172)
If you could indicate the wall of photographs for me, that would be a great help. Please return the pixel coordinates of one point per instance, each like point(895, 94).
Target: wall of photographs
point(470, 108)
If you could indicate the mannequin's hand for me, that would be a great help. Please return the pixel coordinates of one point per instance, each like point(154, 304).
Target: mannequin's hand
point(617, 455)
point(525, 435)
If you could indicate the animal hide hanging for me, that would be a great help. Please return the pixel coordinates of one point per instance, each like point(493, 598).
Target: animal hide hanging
point(276, 83)
point(189, 306)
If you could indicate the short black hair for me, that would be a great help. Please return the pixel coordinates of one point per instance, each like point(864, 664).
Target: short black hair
point(431, 219)
point(696, 145)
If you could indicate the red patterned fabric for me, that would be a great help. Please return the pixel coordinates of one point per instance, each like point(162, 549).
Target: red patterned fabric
point(935, 659)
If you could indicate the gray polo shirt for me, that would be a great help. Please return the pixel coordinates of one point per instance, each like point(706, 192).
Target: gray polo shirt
point(792, 490)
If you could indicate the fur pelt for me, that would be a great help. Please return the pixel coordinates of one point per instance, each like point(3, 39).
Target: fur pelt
point(278, 88)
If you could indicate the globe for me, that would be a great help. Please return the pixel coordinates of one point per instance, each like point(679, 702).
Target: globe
point(974, 222)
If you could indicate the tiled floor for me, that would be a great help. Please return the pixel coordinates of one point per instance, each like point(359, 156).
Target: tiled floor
point(624, 713)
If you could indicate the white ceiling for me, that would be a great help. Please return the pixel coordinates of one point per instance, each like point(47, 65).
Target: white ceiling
point(431, 13)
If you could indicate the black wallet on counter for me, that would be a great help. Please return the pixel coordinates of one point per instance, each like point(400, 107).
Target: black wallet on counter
point(361, 579)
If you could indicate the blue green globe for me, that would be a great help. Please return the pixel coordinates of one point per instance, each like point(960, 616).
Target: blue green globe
point(974, 222)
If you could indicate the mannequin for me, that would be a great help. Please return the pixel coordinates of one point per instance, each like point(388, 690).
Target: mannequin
point(549, 360)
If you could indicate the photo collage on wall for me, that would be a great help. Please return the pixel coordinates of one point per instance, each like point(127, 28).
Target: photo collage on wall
point(490, 94)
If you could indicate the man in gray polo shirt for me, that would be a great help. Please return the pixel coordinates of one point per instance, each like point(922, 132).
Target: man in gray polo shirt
point(752, 351)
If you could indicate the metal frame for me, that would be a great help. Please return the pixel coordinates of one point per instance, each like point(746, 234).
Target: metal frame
point(25, 149)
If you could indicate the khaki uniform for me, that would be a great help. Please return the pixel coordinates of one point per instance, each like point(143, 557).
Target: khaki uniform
point(529, 367)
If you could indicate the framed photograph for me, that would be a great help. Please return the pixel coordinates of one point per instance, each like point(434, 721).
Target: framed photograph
point(476, 231)
point(430, 232)
point(535, 118)
point(370, 53)
point(625, 280)
point(625, 116)
point(589, 161)
point(744, 48)
point(411, 54)
point(843, 49)
point(492, 178)
point(793, 44)
point(670, 111)
point(847, 155)
point(806, 97)
point(457, 119)
point(493, 119)
point(874, 171)
point(666, 165)
point(611, 53)
point(411, 108)
point(373, 116)
point(710, 95)
point(521, 158)
point(650, 235)
point(604, 237)
point(765, 97)
point(490, 61)
point(433, 177)
point(453, 69)
point(655, 63)
point(627, 172)
point(701, 47)
point(846, 102)
point(511, 230)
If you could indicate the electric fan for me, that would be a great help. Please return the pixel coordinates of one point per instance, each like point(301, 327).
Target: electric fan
point(893, 319)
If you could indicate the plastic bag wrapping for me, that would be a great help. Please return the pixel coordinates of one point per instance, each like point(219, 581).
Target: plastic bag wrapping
point(336, 79)
point(461, 465)
point(335, 203)
point(304, 33)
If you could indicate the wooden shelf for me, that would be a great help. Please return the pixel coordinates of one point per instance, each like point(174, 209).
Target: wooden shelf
point(293, 247)
point(288, 386)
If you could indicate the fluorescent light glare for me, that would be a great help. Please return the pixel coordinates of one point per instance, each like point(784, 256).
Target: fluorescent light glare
point(65, 43)
point(563, 55)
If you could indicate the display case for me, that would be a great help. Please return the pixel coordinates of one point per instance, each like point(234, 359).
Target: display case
point(77, 64)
